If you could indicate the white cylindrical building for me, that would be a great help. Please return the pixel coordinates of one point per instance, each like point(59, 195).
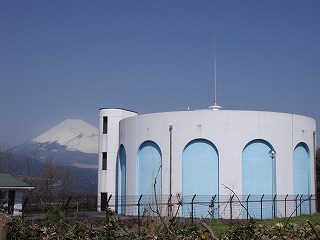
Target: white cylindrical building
point(207, 153)
point(108, 149)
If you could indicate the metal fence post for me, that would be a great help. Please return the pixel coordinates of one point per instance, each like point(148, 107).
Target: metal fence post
point(139, 223)
point(231, 206)
point(67, 204)
point(310, 204)
point(296, 207)
point(300, 203)
point(274, 206)
point(107, 208)
point(23, 206)
point(247, 205)
point(261, 206)
point(170, 206)
point(285, 206)
point(192, 207)
point(212, 206)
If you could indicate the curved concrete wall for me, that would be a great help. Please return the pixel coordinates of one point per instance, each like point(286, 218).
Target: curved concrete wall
point(108, 149)
point(230, 140)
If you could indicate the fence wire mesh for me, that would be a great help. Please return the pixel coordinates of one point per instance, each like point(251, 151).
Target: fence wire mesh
point(77, 202)
point(223, 206)
point(193, 206)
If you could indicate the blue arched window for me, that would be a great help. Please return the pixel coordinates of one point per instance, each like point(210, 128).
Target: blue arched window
point(301, 175)
point(121, 179)
point(259, 177)
point(149, 162)
point(200, 173)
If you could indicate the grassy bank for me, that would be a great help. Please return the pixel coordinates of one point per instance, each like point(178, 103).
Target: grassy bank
point(301, 227)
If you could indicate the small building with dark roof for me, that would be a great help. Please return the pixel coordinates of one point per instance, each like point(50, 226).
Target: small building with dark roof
point(14, 189)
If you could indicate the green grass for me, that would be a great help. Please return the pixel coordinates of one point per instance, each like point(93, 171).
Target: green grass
point(300, 220)
point(220, 227)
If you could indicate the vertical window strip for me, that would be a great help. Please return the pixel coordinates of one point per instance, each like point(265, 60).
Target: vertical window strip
point(104, 161)
point(105, 125)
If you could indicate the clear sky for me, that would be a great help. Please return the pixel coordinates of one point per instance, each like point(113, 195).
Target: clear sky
point(64, 59)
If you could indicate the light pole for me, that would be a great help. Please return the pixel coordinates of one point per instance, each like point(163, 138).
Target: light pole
point(273, 154)
point(170, 178)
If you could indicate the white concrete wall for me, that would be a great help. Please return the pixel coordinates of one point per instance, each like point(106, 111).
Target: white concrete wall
point(109, 143)
point(230, 131)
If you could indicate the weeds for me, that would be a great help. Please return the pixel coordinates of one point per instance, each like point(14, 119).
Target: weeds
point(63, 228)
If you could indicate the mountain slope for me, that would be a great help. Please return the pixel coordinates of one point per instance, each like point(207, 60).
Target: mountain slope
point(74, 134)
point(72, 142)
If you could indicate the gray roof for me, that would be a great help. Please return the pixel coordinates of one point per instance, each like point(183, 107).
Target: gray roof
point(7, 181)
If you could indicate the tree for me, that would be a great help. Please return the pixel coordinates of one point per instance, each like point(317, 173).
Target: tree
point(66, 181)
point(8, 164)
point(54, 180)
point(30, 162)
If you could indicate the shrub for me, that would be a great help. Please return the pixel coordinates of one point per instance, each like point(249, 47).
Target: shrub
point(54, 214)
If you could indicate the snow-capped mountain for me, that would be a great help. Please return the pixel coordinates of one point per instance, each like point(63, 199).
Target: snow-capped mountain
point(73, 141)
point(75, 134)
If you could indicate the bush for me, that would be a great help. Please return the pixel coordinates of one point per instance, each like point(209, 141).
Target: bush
point(54, 214)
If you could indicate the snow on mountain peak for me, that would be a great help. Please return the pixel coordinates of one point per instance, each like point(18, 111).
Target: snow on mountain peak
point(73, 133)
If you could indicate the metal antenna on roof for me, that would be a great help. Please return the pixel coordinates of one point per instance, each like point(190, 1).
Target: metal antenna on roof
point(214, 106)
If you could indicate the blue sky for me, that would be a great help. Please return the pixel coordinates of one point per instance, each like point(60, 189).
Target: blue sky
point(66, 59)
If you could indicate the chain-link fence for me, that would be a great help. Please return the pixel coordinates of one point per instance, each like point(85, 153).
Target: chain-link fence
point(76, 202)
point(201, 206)
point(193, 206)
